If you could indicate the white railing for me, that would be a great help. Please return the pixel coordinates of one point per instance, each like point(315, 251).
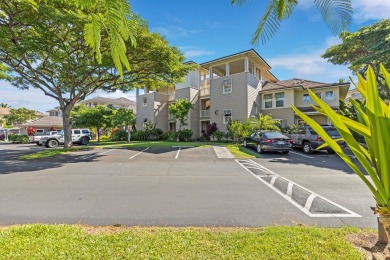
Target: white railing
point(204, 91)
point(205, 113)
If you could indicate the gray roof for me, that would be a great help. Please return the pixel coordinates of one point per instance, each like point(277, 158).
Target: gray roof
point(298, 83)
point(48, 121)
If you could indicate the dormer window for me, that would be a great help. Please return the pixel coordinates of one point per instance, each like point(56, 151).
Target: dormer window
point(227, 86)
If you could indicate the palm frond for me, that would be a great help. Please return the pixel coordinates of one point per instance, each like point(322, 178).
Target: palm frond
point(337, 14)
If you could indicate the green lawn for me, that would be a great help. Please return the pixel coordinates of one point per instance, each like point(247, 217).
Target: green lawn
point(236, 149)
point(74, 242)
point(51, 152)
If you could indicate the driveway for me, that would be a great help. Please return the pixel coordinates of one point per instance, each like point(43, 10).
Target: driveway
point(174, 187)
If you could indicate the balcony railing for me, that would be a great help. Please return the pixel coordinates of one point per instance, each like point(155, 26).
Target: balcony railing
point(204, 91)
point(205, 113)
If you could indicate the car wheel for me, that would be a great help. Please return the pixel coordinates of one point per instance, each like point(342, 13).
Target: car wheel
point(245, 144)
point(39, 144)
point(259, 148)
point(52, 143)
point(84, 141)
point(285, 152)
point(307, 147)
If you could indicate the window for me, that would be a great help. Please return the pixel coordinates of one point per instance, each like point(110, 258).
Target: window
point(40, 132)
point(279, 99)
point(329, 95)
point(85, 131)
point(76, 132)
point(227, 86)
point(227, 116)
point(318, 94)
point(306, 98)
point(267, 100)
point(145, 121)
point(145, 102)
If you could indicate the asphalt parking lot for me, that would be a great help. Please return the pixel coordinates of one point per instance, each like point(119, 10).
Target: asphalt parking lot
point(180, 187)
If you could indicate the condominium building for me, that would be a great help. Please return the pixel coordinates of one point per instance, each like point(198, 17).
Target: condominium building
point(234, 87)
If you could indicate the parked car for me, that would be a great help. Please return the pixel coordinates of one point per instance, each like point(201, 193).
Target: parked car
point(267, 141)
point(36, 138)
point(307, 139)
point(79, 136)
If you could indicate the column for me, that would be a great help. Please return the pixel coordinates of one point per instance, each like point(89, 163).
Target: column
point(227, 68)
point(246, 64)
point(211, 72)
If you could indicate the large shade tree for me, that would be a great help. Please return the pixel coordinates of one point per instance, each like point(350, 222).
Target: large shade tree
point(368, 46)
point(337, 15)
point(49, 52)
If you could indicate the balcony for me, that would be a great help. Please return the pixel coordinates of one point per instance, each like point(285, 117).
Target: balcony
point(205, 113)
point(204, 92)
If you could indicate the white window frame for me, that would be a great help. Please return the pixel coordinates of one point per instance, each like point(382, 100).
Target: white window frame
point(269, 100)
point(227, 86)
point(326, 96)
point(227, 116)
point(145, 102)
point(308, 98)
point(144, 122)
point(319, 94)
point(40, 131)
point(280, 99)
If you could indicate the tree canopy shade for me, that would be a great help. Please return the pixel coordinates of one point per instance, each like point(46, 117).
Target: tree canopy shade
point(49, 52)
point(370, 45)
point(337, 15)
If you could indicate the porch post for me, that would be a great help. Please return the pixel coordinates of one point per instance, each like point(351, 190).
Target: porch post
point(211, 72)
point(227, 68)
point(246, 61)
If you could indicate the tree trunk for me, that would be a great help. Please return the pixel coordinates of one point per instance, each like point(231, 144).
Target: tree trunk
point(67, 127)
point(98, 134)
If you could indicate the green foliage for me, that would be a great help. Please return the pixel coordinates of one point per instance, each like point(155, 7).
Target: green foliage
point(337, 15)
point(22, 139)
point(276, 242)
point(185, 135)
point(51, 53)
point(119, 135)
point(4, 105)
point(373, 122)
point(148, 135)
point(238, 130)
point(219, 135)
point(50, 153)
point(20, 116)
point(265, 122)
point(370, 45)
point(169, 136)
point(289, 129)
point(180, 110)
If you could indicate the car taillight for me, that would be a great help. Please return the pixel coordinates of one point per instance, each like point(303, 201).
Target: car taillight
point(290, 140)
point(269, 140)
point(319, 138)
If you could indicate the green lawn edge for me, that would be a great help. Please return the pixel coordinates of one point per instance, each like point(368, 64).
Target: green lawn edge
point(40, 241)
point(237, 150)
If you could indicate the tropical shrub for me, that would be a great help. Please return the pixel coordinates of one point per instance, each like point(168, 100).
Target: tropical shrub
point(169, 136)
point(265, 122)
point(373, 123)
point(185, 134)
point(211, 128)
point(118, 135)
point(219, 135)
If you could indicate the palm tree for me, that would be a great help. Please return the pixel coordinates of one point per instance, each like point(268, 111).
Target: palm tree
point(265, 122)
point(337, 15)
point(4, 105)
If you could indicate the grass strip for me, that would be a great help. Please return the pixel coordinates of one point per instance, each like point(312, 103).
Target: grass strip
point(50, 153)
point(241, 152)
point(40, 241)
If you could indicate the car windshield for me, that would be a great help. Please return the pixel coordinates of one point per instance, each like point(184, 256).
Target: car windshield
point(332, 131)
point(274, 135)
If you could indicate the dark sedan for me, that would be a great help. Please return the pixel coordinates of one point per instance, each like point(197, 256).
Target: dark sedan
point(269, 141)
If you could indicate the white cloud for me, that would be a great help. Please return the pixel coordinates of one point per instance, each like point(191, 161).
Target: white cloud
point(309, 65)
point(364, 10)
point(194, 51)
point(117, 94)
point(174, 32)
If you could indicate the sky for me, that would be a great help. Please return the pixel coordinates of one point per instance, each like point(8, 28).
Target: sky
point(205, 30)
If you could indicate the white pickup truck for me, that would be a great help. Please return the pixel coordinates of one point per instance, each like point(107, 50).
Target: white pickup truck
point(37, 138)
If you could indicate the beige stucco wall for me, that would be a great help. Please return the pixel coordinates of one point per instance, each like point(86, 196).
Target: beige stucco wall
point(321, 119)
point(281, 113)
point(334, 103)
point(288, 99)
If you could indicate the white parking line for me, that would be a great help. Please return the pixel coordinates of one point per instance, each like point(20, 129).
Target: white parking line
point(97, 154)
point(302, 155)
point(138, 153)
point(178, 151)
